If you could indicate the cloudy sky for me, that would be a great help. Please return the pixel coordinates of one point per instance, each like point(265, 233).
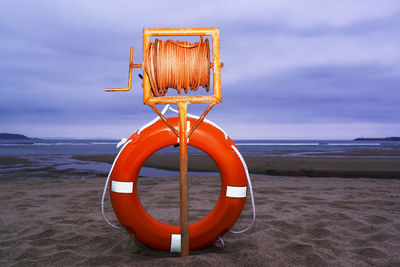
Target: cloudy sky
point(293, 69)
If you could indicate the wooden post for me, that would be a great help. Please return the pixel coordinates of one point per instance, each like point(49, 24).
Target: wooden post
point(184, 212)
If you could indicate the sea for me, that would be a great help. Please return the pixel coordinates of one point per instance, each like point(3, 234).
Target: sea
point(55, 156)
point(284, 148)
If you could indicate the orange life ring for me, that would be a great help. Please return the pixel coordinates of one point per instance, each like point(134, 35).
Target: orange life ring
point(154, 233)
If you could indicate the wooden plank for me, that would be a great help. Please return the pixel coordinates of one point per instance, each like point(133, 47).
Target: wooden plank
point(184, 209)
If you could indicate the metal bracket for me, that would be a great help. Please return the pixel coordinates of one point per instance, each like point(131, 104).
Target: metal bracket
point(131, 66)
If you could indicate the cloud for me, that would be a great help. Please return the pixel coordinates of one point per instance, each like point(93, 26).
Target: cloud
point(319, 94)
point(289, 63)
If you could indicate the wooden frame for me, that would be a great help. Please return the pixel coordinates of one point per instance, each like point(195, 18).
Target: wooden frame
point(149, 99)
point(182, 101)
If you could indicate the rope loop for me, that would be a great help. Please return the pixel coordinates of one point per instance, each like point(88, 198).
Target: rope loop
point(177, 64)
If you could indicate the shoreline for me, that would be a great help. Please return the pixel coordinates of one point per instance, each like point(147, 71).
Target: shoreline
point(86, 166)
point(349, 167)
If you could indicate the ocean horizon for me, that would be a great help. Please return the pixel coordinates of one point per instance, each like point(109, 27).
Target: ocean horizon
point(267, 147)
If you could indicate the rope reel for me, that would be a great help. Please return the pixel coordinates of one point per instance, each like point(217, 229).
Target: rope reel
point(177, 64)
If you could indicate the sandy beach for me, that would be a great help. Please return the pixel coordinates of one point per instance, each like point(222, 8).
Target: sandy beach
point(300, 221)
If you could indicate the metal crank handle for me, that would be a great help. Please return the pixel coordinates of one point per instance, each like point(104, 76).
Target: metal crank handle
point(131, 66)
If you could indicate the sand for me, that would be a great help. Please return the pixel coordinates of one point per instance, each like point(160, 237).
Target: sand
point(300, 221)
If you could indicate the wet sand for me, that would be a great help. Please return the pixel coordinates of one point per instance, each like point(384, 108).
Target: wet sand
point(374, 166)
point(300, 221)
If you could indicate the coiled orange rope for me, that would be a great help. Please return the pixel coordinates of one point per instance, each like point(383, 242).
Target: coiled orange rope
point(179, 65)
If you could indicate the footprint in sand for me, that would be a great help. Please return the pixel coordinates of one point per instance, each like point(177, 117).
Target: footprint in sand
point(376, 219)
point(319, 233)
point(371, 252)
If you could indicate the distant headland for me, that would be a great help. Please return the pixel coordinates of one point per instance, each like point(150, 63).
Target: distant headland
point(9, 136)
point(15, 139)
point(378, 139)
